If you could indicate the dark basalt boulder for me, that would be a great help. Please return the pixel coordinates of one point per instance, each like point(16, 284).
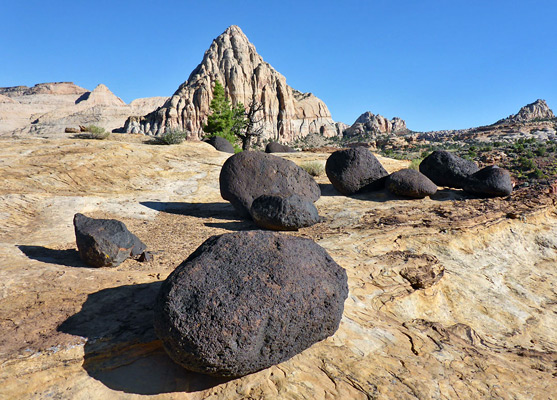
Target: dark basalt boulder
point(248, 300)
point(221, 144)
point(283, 213)
point(105, 242)
point(447, 169)
point(410, 183)
point(490, 181)
point(246, 176)
point(354, 170)
point(275, 147)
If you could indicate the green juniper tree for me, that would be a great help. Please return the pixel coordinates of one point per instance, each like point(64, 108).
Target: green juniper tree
point(225, 120)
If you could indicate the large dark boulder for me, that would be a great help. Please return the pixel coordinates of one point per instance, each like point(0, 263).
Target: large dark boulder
point(246, 176)
point(490, 181)
point(354, 170)
point(447, 169)
point(283, 213)
point(247, 300)
point(410, 183)
point(105, 242)
point(221, 144)
point(275, 147)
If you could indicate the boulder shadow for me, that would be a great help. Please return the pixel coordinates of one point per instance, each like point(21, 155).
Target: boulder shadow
point(245, 225)
point(327, 189)
point(122, 350)
point(199, 210)
point(68, 257)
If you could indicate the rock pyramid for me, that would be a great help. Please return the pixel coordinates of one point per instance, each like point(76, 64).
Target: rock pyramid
point(233, 61)
point(538, 110)
point(101, 95)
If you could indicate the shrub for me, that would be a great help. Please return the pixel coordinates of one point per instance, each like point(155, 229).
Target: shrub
point(96, 132)
point(172, 136)
point(415, 163)
point(314, 168)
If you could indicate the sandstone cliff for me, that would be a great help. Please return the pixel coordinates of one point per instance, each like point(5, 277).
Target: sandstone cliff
point(48, 108)
point(233, 61)
point(370, 123)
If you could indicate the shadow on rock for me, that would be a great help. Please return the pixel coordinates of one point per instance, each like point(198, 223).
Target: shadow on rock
point(122, 350)
point(233, 226)
point(199, 210)
point(69, 257)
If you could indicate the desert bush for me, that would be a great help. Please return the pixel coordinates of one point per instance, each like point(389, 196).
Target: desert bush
point(314, 168)
point(171, 136)
point(96, 132)
point(415, 163)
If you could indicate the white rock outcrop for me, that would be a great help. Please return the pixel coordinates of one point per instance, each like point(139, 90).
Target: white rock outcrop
point(232, 60)
point(370, 123)
point(538, 110)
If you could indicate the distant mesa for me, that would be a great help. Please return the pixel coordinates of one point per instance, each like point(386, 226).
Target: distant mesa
point(538, 110)
point(233, 61)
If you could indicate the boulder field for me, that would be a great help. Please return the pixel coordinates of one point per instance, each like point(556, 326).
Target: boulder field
point(449, 296)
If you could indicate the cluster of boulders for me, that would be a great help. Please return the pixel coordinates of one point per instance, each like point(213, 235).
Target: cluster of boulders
point(276, 193)
point(356, 170)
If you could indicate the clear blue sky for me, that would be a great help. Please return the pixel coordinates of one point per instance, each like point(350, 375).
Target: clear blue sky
point(438, 64)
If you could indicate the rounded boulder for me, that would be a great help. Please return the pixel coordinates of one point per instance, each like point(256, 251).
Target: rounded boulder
point(447, 169)
point(247, 175)
point(354, 170)
point(410, 183)
point(275, 147)
point(283, 213)
point(248, 300)
point(221, 144)
point(490, 181)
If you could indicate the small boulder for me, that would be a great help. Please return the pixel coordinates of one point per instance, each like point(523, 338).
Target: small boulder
point(248, 300)
point(490, 181)
point(221, 144)
point(283, 213)
point(247, 175)
point(72, 130)
point(354, 170)
point(275, 147)
point(447, 169)
point(410, 183)
point(105, 242)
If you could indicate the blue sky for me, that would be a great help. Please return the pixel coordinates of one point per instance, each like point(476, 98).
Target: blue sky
point(437, 64)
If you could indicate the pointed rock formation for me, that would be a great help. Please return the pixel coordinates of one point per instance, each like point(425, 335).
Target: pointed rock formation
point(233, 61)
point(102, 96)
point(537, 110)
point(371, 123)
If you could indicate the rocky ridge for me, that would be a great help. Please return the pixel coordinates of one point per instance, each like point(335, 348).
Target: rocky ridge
point(369, 123)
point(234, 62)
point(48, 108)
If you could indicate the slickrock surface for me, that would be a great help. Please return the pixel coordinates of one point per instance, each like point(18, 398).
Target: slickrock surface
point(232, 60)
point(449, 297)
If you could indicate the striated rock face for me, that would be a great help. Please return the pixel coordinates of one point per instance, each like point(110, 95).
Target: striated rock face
point(59, 88)
point(536, 110)
point(234, 62)
point(371, 123)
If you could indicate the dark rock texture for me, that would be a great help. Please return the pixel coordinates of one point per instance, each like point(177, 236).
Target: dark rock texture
point(246, 176)
point(410, 183)
point(490, 181)
point(104, 242)
point(283, 213)
point(275, 147)
point(355, 170)
point(247, 300)
point(221, 144)
point(447, 169)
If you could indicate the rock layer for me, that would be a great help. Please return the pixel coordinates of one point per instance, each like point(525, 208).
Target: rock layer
point(233, 61)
